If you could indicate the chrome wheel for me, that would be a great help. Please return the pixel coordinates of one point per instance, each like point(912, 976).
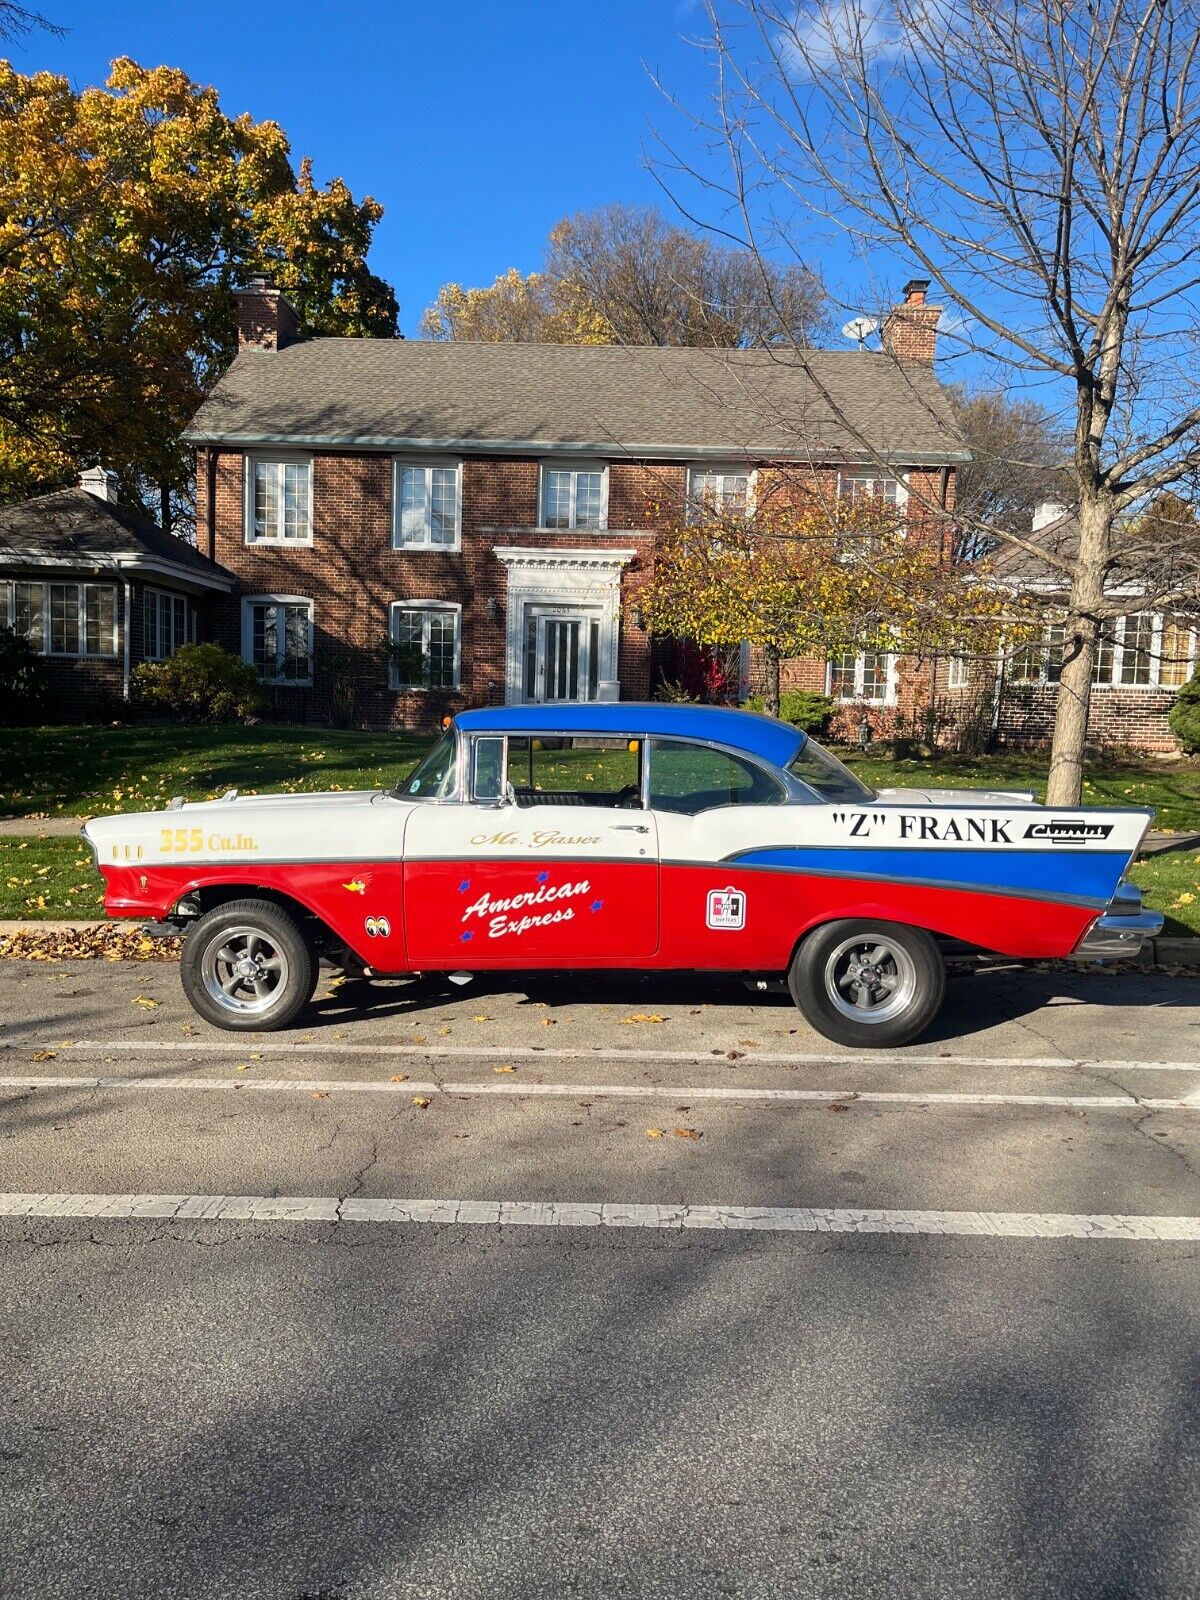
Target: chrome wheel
point(870, 978)
point(244, 970)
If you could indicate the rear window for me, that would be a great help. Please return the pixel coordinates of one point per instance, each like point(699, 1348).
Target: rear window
point(690, 778)
point(826, 775)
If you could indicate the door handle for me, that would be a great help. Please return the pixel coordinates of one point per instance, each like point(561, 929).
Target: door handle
point(629, 827)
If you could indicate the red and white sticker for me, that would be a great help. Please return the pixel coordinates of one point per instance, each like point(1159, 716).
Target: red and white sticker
point(726, 908)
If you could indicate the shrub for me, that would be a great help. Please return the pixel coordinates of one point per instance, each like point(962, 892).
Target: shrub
point(22, 679)
point(1184, 719)
point(200, 683)
point(808, 712)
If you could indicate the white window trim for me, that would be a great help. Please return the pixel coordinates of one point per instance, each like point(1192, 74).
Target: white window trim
point(1113, 679)
point(429, 606)
point(189, 620)
point(425, 462)
point(858, 697)
point(81, 584)
point(281, 458)
point(573, 465)
point(249, 601)
point(719, 469)
point(901, 479)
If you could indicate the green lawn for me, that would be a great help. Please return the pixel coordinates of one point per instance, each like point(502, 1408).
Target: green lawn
point(85, 771)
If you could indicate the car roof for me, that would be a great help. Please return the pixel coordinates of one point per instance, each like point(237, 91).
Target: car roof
point(776, 742)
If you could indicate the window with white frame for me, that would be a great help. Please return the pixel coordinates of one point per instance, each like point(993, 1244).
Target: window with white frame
point(277, 637)
point(718, 491)
point(574, 496)
point(958, 672)
point(866, 483)
point(278, 500)
point(168, 620)
point(425, 639)
point(866, 675)
point(427, 505)
point(62, 619)
point(1143, 650)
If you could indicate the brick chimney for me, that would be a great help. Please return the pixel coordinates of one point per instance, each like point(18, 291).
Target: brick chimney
point(100, 482)
point(267, 320)
point(910, 329)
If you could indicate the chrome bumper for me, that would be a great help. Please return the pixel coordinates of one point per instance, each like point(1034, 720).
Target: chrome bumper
point(1123, 928)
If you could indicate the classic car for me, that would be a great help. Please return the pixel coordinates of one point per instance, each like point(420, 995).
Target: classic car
point(628, 836)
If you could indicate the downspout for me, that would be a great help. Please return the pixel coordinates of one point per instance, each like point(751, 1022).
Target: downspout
point(210, 501)
point(128, 631)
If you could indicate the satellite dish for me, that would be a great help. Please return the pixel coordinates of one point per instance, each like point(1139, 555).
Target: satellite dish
point(858, 328)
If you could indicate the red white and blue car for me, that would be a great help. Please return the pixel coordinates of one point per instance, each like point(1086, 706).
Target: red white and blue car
point(627, 836)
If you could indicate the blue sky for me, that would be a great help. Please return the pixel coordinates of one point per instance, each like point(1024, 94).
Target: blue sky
point(476, 124)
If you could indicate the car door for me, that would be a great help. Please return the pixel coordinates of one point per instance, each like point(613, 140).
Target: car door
point(709, 807)
point(549, 860)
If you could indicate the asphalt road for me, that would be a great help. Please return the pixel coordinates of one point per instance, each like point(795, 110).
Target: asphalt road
point(901, 1327)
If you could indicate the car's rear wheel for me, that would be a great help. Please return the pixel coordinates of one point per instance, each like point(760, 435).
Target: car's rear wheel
point(874, 984)
point(247, 966)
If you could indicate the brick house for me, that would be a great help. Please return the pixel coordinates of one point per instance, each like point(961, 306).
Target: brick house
point(97, 588)
point(415, 527)
point(1145, 656)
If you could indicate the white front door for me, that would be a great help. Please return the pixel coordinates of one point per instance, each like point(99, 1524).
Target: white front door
point(562, 654)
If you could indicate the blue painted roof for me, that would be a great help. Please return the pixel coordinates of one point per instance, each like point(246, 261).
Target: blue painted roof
point(764, 737)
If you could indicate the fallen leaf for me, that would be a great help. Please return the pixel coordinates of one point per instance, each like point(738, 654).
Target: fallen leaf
point(421, 1100)
point(145, 1001)
point(548, 1022)
point(481, 1018)
point(319, 1094)
point(654, 1133)
point(734, 1055)
point(45, 1055)
point(643, 1016)
point(398, 1077)
point(688, 1133)
point(420, 1038)
point(504, 1069)
point(444, 1031)
point(242, 1066)
point(751, 1044)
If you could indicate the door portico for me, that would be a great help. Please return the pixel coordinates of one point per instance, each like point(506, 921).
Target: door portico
point(563, 624)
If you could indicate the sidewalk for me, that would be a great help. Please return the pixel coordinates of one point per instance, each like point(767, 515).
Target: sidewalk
point(40, 827)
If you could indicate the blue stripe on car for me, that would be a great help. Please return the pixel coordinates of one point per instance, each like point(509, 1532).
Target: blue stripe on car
point(1091, 877)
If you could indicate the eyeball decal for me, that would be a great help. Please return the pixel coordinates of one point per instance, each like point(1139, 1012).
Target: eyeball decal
point(377, 927)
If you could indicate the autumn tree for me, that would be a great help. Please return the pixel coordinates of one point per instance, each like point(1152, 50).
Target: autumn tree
point(1019, 455)
point(801, 575)
point(1041, 165)
point(126, 215)
point(627, 275)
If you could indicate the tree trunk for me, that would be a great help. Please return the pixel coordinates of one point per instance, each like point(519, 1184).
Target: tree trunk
point(771, 680)
point(1065, 785)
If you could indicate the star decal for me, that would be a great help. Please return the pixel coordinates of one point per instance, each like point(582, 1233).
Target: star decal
point(464, 886)
point(596, 905)
point(543, 877)
point(463, 937)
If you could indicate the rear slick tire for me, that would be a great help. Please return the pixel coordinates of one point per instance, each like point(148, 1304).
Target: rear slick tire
point(247, 967)
point(868, 984)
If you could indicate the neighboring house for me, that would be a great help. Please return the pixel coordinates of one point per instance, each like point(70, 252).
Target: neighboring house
point(417, 527)
point(1145, 655)
point(98, 588)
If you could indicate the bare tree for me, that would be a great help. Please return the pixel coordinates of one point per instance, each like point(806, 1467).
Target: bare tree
point(17, 20)
point(1040, 163)
point(1019, 456)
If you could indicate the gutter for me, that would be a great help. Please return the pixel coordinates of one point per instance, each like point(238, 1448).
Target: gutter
point(581, 447)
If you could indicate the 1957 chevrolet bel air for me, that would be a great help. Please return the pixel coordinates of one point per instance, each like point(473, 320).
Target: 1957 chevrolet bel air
point(623, 835)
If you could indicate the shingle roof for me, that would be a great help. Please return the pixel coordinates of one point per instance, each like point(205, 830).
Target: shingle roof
point(376, 393)
point(72, 523)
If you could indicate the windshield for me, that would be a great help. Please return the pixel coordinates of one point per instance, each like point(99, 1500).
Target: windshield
point(435, 776)
point(826, 774)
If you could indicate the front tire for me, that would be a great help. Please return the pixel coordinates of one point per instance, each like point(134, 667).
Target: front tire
point(247, 966)
point(869, 984)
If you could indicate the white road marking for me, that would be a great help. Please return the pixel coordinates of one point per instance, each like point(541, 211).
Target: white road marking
point(607, 1214)
point(610, 1091)
point(520, 1052)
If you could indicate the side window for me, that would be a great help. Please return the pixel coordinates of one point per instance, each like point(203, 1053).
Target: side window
point(690, 778)
point(487, 777)
point(559, 771)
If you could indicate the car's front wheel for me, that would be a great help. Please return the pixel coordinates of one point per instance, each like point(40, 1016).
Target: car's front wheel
point(247, 965)
point(872, 984)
